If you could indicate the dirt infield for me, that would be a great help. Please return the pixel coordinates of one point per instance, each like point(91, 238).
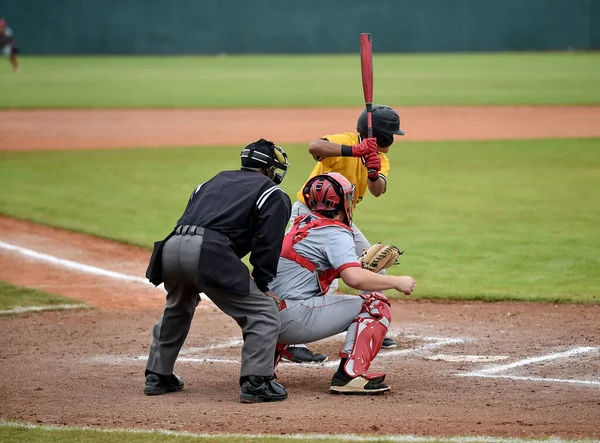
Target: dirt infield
point(80, 129)
point(501, 369)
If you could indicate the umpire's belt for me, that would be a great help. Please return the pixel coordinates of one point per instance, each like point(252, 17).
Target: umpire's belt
point(189, 230)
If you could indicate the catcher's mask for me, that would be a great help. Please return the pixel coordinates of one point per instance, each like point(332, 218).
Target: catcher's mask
point(386, 123)
point(328, 193)
point(264, 154)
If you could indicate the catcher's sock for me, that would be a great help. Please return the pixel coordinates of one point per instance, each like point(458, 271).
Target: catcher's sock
point(340, 376)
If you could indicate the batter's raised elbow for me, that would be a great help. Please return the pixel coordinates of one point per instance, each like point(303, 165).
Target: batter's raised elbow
point(314, 148)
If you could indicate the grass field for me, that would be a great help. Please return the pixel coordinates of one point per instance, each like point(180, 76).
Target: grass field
point(15, 432)
point(478, 220)
point(301, 81)
point(504, 220)
point(12, 296)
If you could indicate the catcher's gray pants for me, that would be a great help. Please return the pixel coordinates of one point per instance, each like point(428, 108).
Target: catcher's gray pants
point(319, 317)
point(257, 314)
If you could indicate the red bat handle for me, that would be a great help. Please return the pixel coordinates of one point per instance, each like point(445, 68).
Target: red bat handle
point(369, 120)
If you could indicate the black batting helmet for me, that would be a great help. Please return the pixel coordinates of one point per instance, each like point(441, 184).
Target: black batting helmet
point(386, 123)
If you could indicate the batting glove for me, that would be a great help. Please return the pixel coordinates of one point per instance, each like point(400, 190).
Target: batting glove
point(368, 145)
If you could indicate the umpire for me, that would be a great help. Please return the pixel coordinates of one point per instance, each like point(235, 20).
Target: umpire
point(233, 214)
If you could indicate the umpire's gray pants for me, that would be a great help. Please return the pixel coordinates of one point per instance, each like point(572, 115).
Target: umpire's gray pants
point(254, 312)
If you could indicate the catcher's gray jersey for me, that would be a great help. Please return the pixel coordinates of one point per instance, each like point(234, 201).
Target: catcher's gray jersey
point(327, 247)
point(309, 316)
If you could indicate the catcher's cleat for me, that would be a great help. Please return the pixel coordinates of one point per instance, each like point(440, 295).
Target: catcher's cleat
point(388, 343)
point(157, 384)
point(368, 384)
point(302, 355)
point(257, 389)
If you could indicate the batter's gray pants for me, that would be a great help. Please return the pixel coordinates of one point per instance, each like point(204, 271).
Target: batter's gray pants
point(255, 313)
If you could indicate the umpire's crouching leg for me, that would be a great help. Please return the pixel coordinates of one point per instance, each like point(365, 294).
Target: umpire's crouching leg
point(258, 316)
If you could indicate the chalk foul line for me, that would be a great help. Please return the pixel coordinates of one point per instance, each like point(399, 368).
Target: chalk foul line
point(24, 309)
point(82, 267)
point(498, 370)
point(70, 264)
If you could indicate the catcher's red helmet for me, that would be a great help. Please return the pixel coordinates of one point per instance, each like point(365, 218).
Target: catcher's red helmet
point(330, 192)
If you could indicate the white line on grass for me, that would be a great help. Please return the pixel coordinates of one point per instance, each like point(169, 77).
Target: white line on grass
point(336, 437)
point(23, 309)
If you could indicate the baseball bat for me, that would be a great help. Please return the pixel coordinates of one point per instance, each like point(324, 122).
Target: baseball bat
point(366, 67)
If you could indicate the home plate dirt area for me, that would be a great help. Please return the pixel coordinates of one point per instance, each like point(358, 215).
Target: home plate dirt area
point(493, 369)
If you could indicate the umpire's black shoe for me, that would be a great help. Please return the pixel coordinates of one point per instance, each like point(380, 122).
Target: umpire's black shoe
point(388, 343)
point(157, 384)
point(257, 389)
point(303, 355)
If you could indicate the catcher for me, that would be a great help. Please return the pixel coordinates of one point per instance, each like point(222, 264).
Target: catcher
point(318, 249)
point(353, 155)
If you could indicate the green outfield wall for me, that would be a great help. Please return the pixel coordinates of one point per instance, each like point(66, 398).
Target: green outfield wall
point(299, 26)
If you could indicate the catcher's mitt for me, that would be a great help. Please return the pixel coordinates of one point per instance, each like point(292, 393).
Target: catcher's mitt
point(377, 257)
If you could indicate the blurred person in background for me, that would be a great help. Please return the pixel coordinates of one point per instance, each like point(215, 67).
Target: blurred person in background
point(7, 44)
point(363, 162)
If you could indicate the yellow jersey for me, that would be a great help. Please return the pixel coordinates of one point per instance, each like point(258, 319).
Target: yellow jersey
point(353, 168)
